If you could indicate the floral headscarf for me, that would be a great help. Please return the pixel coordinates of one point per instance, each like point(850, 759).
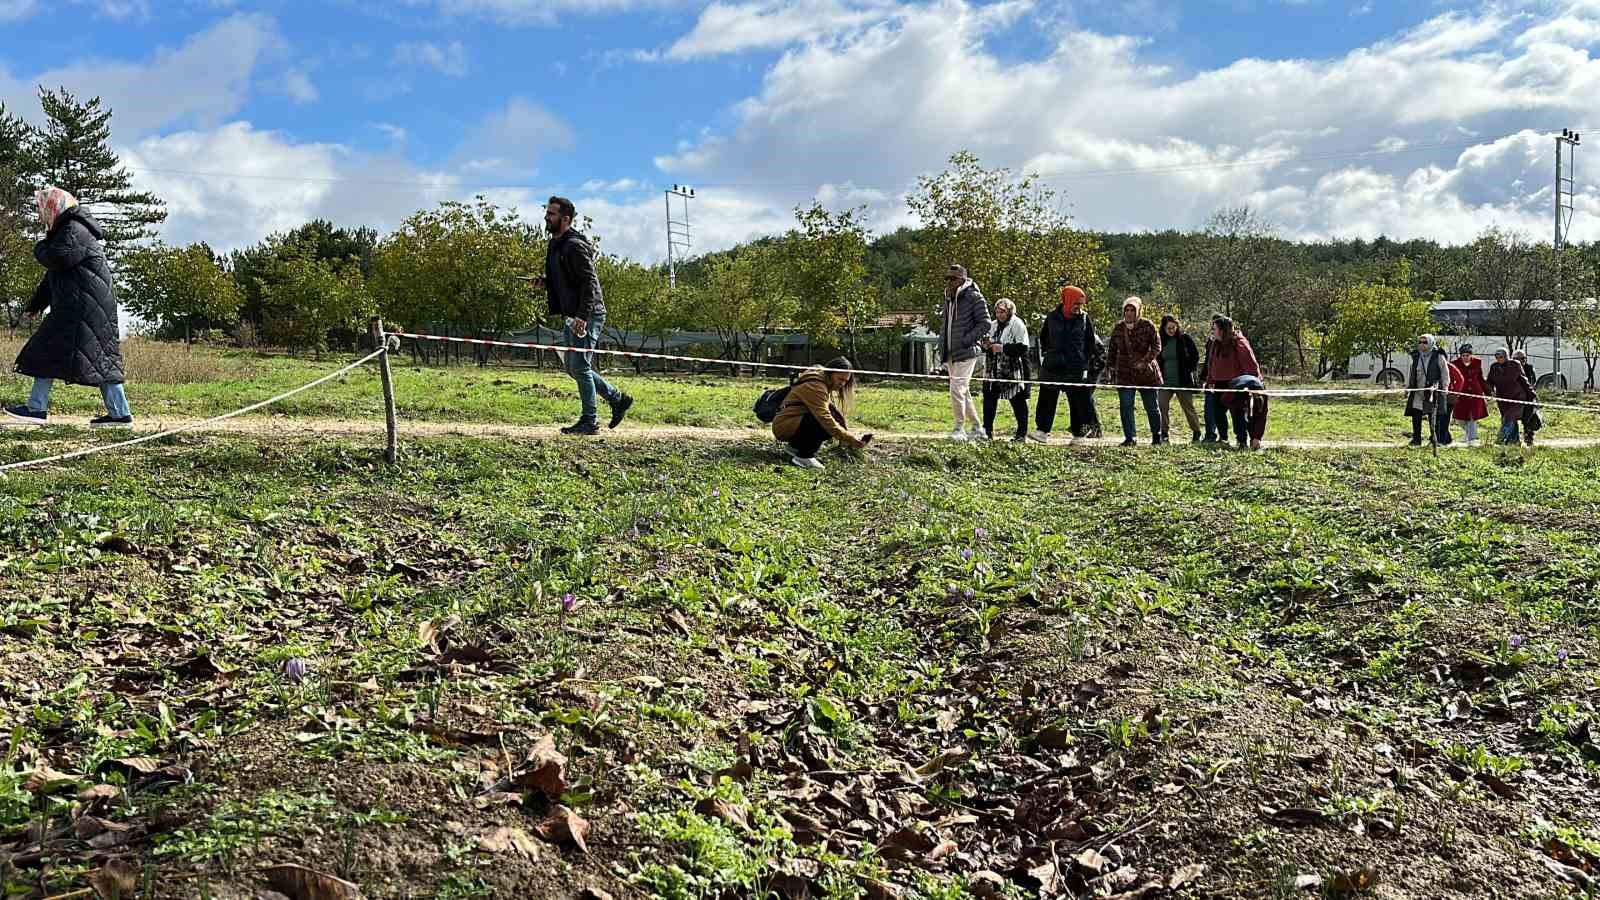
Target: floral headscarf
point(53, 201)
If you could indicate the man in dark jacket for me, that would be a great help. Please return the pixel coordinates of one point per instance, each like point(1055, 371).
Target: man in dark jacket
point(78, 342)
point(966, 322)
point(575, 296)
point(1066, 342)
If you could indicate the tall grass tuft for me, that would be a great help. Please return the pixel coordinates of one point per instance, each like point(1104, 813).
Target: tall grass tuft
point(155, 362)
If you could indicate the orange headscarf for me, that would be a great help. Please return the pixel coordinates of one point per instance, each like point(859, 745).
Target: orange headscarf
point(53, 201)
point(1072, 297)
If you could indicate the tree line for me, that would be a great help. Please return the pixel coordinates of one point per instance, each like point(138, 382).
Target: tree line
point(456, 268)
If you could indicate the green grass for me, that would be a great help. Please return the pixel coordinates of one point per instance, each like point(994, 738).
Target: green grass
point(1003, 647)
point(468, 394)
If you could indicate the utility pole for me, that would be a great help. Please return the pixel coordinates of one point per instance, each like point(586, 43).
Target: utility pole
point(1567, 140)
point(679, 239)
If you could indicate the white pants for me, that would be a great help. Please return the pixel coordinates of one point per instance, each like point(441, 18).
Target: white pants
point(961, 405)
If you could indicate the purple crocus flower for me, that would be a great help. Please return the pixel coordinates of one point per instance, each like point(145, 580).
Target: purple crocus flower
point(568, 602)
point(1515, 642)
point(971, 594)
point(295, 669)
point(716, 494)
point(979, 533)
point(966, 554)
point(952, 591)
point(1561, 656)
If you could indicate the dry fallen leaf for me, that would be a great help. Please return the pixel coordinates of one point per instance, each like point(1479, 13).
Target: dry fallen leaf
point(565, 827)
point(718, 808)
point(506, 839)
point(544, 770)
point(432, 633)
point(118, 879)
point(949, 757)
point(1183, 876)
point(44, 779)
point(301, 883)
point(1344, 884)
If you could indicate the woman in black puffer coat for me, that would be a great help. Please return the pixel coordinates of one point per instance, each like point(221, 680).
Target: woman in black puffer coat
point(78, 342)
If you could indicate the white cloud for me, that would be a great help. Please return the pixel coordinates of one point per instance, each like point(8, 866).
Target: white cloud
point(204, 80)
point(1134, 143)
point(17, 10)
point(736, 27)
point(393, 131)
point(297, 84)
point(507, 142)
point(621, 185)
point(450, 59)
point(273, 183)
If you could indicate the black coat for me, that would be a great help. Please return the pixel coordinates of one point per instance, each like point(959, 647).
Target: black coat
point(78, 341)
point(570, 278)
point(1066, 344)
point(1188, 358)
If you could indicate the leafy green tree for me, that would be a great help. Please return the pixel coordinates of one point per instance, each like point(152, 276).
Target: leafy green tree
point(461, 266)
point(826, 261)
point(73, 152)
point(309, 298)
point(1239, 267)
point(1378, 318)
point(1011, 234)
point(319, 238)
point(178, 287)
point(1503, 269)
point(19, 223)
point(637, 301)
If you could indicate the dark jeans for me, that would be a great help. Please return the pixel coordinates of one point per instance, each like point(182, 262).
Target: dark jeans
point(809, 437)
point(1216, 419)
point(1019, 407)
point(580, 365)
point(1152, 411)
point(1249, 413)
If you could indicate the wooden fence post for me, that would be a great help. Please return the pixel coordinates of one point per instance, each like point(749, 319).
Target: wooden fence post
point(391, 450)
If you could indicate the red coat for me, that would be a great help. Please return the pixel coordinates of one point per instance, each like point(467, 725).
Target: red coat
point(1471, 409)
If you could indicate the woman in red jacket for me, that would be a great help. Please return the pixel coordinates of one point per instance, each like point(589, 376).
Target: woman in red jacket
point(1233, 365)
point(1470, 407)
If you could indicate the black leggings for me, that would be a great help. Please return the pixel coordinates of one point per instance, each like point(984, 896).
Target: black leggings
point(809, 437)
point(1019, 406)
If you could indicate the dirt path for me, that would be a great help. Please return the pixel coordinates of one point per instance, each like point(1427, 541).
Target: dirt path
point(292, 426)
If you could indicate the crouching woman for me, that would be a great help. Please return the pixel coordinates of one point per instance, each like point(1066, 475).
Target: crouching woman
point(814, 412)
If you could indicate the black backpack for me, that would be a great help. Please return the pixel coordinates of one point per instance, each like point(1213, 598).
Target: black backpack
point(770, 401)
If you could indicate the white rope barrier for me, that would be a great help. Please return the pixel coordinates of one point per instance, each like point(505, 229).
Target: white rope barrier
point(1269, 392)
point(191, 426)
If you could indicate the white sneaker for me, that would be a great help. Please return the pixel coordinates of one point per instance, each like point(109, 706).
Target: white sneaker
point(1038, 437)
point(977, 435)
point(959, 436)
point(806, 462)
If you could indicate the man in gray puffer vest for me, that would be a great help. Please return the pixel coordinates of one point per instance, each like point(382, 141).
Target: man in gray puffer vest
point(966, 322)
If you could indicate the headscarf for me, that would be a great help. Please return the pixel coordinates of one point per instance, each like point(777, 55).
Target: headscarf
point(1136, 303)
point(53, 201)
point(1072, 297)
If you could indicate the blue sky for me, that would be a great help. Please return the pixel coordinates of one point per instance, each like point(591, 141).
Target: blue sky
point(250, 118)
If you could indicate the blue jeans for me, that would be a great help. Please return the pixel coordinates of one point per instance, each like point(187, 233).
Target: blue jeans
point(581, 367)
point(112, 394)
point(1152, 410)
point(1509, 432)
point(1216, 419)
